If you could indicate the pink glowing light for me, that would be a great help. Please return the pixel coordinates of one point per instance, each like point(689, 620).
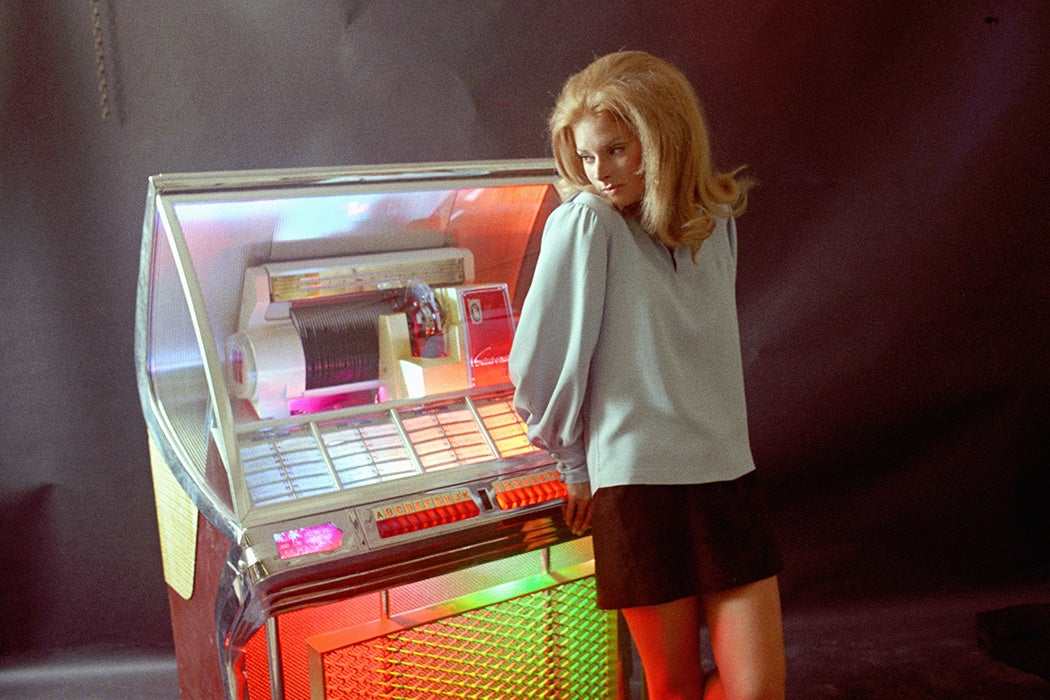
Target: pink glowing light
point(308, 540)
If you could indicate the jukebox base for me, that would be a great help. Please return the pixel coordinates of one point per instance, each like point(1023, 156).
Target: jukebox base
point(509, 628)
point(504, 642)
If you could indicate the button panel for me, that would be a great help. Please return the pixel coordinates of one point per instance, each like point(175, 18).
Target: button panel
point(528, 490)
point(424, 512)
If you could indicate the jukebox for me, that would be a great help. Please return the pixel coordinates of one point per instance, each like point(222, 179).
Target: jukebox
point(347, 502)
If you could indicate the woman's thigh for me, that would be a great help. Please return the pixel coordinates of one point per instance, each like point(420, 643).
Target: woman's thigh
point(667, 637)
point(747, 639)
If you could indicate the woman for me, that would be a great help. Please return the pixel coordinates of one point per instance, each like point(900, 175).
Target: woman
point(627, 369)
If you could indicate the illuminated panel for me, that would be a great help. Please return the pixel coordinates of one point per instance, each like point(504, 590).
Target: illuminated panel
point(308, 632)
point(283, 464)
point(506, 428)
point(308, 540)
point(424, 512)
point(367, 453)
point(529, 489)
point(334, 402)
point(371, 273)
point(548, 644)
point(286, 463)
point(447, 439)
point(489, 329)
point(292, 462)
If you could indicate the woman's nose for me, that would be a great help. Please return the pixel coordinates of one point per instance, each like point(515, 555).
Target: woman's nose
point(601, 170)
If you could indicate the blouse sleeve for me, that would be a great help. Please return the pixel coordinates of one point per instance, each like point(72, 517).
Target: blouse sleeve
point(557, 334)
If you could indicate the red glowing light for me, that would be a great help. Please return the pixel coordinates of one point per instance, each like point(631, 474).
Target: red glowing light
point(529, 490)
point(425, 512)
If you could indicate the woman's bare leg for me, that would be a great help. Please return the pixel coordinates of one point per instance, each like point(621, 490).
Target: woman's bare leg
point(747, 639)
point(668, 640)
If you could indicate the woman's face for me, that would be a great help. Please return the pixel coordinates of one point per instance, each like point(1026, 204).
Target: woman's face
point(611, 156)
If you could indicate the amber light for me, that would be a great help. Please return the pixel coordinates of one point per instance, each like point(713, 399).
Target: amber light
point(529, 490)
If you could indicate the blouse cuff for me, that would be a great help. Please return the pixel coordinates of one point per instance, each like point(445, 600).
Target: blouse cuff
point(575, 474)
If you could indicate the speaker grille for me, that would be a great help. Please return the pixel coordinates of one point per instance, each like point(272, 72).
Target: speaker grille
point(550, 644)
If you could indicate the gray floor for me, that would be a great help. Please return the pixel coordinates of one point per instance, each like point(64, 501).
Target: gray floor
point(109, 675)
point(894, 648)
point(905, 648)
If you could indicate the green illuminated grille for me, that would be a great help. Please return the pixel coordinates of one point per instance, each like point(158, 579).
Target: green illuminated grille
point(550, 644)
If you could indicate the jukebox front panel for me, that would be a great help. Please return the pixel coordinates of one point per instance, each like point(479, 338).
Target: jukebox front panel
point(549, 644)
point(513, 628)
point(377, 479)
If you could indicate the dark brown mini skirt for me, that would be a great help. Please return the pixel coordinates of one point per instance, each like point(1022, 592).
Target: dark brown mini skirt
point(655, 544)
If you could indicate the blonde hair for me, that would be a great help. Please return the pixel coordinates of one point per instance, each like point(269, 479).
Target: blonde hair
point(656, 103)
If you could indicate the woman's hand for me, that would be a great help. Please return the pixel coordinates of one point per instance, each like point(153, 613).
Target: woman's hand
point(578, 507)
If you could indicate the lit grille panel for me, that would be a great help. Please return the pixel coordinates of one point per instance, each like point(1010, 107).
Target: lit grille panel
point(550, 644)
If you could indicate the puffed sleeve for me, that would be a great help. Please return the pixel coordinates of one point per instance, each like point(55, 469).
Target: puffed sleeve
point(557, 334)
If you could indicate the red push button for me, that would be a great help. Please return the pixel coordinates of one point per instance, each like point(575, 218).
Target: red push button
point(423, 513)
point(529, 490)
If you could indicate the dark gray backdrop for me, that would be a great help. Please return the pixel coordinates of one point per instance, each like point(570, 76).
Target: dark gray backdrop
point(893, 293)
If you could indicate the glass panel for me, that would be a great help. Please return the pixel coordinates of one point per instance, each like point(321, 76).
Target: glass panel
point(506, 428)
point(283, 464)
point(447, 439)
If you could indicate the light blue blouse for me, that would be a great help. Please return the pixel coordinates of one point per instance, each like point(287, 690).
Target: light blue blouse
point(626, 359)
